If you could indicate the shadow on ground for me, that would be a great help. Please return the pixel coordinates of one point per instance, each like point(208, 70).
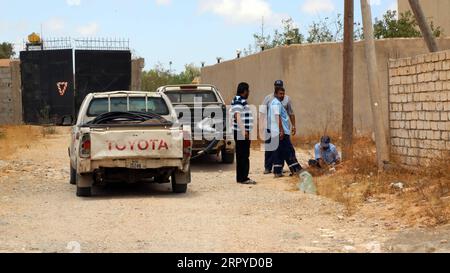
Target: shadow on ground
point(210, 164)
point(136, 191)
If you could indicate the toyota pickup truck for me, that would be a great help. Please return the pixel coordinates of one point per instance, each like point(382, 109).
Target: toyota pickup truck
point(129, 137)
point(202, 107)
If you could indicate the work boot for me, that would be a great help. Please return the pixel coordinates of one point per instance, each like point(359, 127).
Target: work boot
point(279, 175)
point(267, 171)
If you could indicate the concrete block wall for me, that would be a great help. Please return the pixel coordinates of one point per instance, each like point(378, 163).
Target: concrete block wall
point(419, 101)
point(5, 94)
point(313, 77)
point(10, 94)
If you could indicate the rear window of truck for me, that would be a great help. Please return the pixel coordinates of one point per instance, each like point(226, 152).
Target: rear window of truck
point(133, 104)
point(187, 96)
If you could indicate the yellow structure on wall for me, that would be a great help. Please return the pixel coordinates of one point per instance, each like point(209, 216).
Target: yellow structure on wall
point(33, 38)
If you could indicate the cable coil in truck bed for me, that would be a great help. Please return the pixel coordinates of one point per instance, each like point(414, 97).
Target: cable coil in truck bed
point(129, 118)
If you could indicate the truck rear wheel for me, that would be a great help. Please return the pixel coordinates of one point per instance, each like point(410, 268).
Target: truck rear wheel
point(84, 185)
point(84, 192)
point(73, 176)
point(180, 181)
point(227, 157)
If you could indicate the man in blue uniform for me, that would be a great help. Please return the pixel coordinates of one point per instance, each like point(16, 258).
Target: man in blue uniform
point(281, 131)
point(326, 154)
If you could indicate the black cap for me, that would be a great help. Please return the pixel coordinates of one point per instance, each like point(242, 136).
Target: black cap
point(279, 83)
point(325, 142)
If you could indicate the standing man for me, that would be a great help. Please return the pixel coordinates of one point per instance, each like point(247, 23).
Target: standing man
point(264, 125)
point(242, 126)
point(281, 132)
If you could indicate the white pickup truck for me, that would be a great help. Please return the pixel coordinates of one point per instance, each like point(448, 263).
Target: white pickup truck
point(129, 137)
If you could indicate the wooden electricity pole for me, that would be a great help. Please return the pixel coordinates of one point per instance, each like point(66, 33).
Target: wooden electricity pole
point(347, 121)
point(383, 154)
point(425, 28)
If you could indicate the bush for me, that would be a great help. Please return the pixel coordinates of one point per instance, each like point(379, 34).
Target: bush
point(48, 130)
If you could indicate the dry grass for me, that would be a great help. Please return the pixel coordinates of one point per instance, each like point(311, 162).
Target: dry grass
point(424, 200)
point(17, 137)
point(48, 130)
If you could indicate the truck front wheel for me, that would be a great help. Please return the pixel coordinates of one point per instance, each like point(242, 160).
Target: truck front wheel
point(227, 157)
point(180, 181)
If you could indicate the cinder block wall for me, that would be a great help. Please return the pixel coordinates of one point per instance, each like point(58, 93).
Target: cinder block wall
point(419, 102)
point(10, 94)
point(5, 95)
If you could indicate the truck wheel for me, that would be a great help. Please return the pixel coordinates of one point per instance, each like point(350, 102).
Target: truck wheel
point(227, 157)
point(84, 185)
point(180, 181)
point(73, 176)
point(84, 192)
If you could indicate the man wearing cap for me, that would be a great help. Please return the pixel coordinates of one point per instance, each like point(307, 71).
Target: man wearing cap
point(281, 131)
point(264, 125)
point(326, 154)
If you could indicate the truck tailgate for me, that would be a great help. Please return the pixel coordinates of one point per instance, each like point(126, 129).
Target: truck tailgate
point(148, 143)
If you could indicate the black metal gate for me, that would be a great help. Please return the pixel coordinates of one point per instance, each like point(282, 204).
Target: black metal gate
point(47, 86)
point(100, 71)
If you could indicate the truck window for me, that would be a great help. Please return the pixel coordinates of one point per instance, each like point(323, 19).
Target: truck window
point(187, 96)
point(136, 104)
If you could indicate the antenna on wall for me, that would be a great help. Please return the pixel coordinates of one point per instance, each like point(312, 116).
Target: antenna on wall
point(262, 27)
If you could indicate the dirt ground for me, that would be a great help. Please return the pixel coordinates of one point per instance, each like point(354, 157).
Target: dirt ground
point(39, 211)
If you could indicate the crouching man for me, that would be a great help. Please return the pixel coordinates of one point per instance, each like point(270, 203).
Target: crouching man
point(326, 154)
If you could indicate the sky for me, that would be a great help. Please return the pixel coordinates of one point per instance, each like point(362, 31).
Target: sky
point(164, 31)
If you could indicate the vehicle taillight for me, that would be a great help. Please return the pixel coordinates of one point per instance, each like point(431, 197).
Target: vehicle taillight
point(187, 144)
point(85, 149)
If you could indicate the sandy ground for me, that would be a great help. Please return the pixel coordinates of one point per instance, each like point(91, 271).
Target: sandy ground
point(39, 212)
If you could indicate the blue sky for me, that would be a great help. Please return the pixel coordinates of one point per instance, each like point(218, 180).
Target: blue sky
point(181, 31)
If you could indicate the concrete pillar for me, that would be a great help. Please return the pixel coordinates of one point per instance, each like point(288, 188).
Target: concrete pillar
point(16, 93)
point(137, 65)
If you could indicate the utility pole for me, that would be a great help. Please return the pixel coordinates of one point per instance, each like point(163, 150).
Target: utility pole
point(347, 118)
point(383, 153)
point(425, 28)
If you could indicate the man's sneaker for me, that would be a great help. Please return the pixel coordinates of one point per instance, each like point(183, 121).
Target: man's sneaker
point(279, 175)
point(267, 172)
point(248, 182)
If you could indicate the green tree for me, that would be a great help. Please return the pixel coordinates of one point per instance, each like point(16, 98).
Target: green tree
point(288, 32)
point(160, 76)
point(331, 30)
point(405, 25)
point(320, 32)
point(6, 50)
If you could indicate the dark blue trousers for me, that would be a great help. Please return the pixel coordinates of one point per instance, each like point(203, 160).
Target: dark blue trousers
point(285, 153)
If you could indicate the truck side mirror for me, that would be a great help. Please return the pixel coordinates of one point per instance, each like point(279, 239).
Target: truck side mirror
point(180, 115)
